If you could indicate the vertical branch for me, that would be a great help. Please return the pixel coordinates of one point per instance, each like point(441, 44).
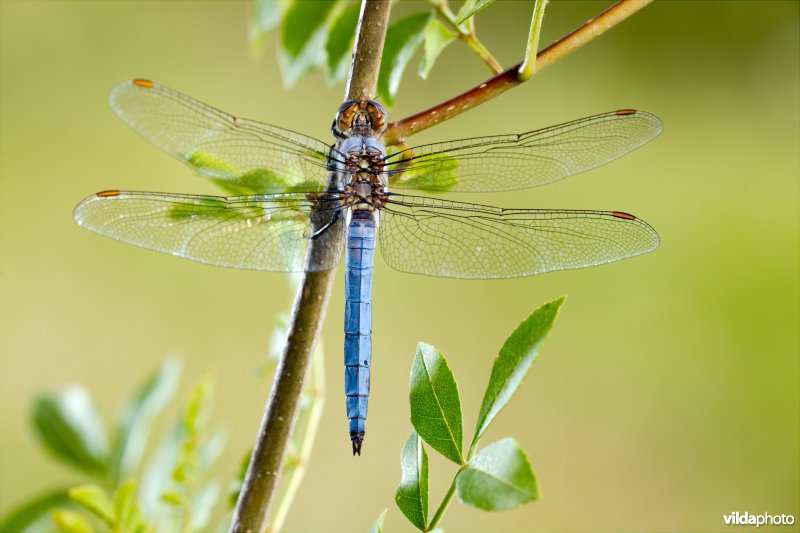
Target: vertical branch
point(368, 49)
point(266, 462)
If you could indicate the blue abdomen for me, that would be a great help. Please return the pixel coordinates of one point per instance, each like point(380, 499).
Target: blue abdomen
point(360, 255)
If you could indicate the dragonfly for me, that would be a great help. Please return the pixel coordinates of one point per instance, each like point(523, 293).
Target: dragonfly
point(287, 190)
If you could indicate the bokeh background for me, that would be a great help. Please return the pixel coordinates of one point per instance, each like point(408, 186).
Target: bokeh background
point(666, 396)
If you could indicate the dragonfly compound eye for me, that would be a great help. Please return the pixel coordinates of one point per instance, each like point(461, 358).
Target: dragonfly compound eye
point(359, 117)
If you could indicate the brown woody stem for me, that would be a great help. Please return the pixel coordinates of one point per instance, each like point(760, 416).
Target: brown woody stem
point(510, 78)
point(266, 462)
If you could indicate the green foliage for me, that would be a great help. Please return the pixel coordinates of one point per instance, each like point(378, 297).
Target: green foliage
point(68, 426)
point(340, 43)
point(478, 6)
point(142, 407)
point(435, 403)
point(511, 366)
point(70, 521)
point(412, 493)
point(120, 512)
point(320, 35)
point(402, 40)
point(495, 478)
point(377, 526)
point(265, 15)
point(303, 35)
point(437, 175)
point(437, 37)
point(33, 514)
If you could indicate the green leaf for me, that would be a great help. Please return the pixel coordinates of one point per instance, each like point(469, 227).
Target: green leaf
point(264, 17)
point(402, 39)
point(437, 37)
point(125, 509)
point(27, 517)
point(511, 366)
point(340, 42)
point(138, 415)
point(68, 426)
point(479, 6)
point(467, 25)
point(437, 175)
point(435, 403)
point(303, 38)
point(412, 493)
point(95, 500)
point(377, 527)
point(70, 522)
point(499, 477)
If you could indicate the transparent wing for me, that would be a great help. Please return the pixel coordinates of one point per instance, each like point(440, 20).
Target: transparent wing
point(459, 240)
point(508, 162)
point(244, 154)
point(261, 232)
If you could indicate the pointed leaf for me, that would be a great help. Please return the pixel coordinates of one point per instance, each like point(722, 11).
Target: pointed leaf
point(264, 17)
point(412, 493)
point(511, 366)
point(68, 426)
point(435, 403)
point(437, 37)
point(27, 516)
point(479, 6)
point(138, 415)
point(125, 509)
point(340, 42)
point(95, 500)
point(499, 477)
point(377, 527)
point(402, 39)
point(466, 23)
point(303, 38)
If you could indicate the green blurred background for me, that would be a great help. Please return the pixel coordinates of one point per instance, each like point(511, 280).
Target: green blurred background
point(666, 396)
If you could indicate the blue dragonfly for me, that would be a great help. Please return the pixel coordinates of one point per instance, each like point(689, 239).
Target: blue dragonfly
point(287, 188)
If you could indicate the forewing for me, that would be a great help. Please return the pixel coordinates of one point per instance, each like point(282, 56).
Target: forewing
point(508, 162)
point(245, 155)
point(460, 240)
point(260, 232)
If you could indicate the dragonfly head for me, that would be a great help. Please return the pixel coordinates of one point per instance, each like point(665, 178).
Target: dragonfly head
point(364, 117)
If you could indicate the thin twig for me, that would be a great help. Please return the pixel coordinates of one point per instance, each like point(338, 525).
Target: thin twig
point(317, 392)
point(467, 35)
point(250, 514)
point(437, 516)
point(510, 78)
point(528, 67)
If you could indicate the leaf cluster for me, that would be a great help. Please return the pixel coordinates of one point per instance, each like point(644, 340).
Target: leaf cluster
point(498, 476)
point(320, 36)
point(125, 490)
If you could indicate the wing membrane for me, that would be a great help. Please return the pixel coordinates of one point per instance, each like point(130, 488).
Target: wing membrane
point(508, 162)
point(261, 232)
point(246, 154)
point(460, 240)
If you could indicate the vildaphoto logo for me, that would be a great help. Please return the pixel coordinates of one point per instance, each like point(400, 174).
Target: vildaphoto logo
point(746, 519)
